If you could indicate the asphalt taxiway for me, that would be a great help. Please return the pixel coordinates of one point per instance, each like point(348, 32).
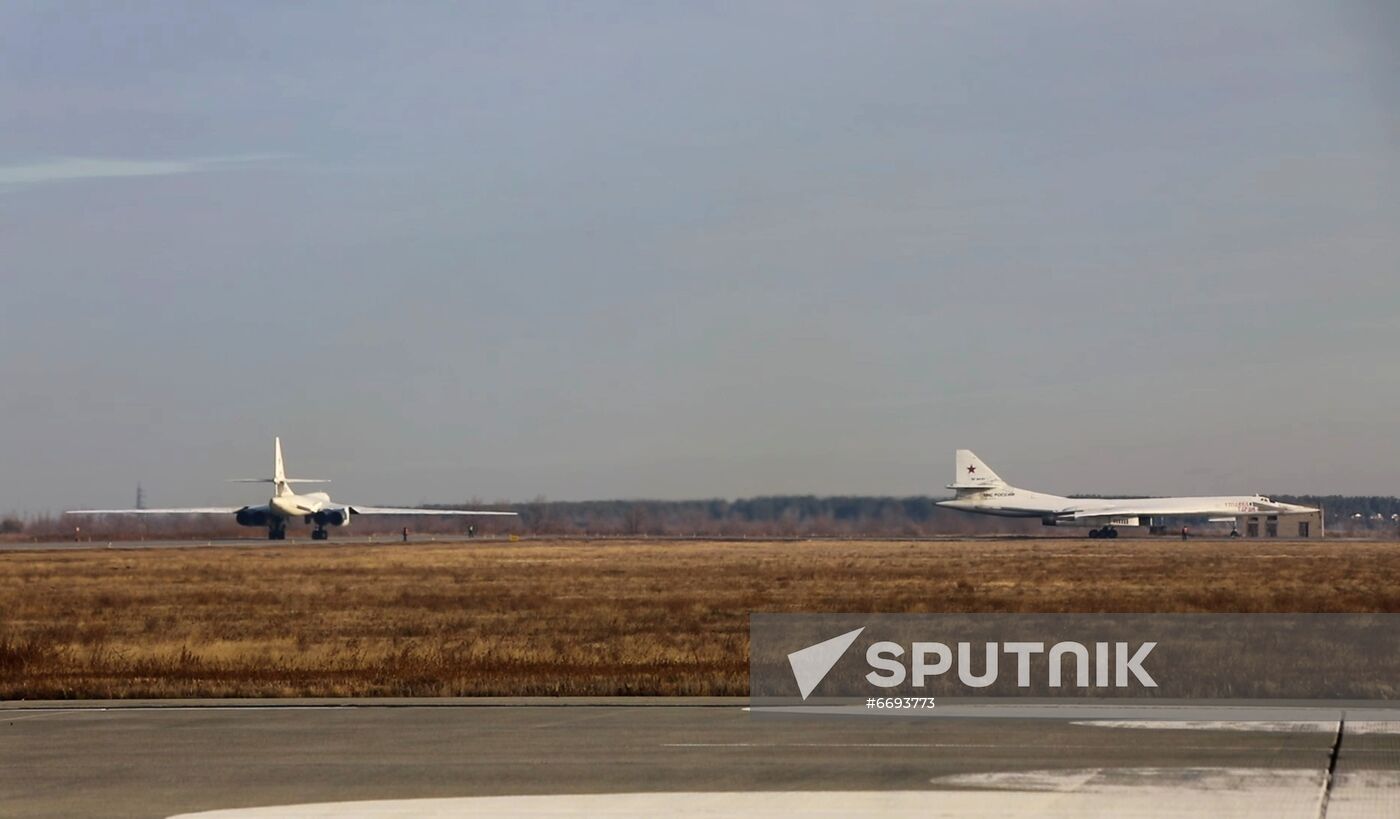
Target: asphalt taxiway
point(643, 757)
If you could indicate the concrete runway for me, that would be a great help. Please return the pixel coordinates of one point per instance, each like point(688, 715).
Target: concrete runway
point(686, 757)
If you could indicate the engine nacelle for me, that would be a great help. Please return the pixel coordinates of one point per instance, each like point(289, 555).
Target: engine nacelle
point(252, 517)
point(332, 517)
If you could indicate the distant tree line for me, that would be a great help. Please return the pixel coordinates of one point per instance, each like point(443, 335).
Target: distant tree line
point(779, 515)
point(854, 515)
point(767, 516)
point(1371, 512)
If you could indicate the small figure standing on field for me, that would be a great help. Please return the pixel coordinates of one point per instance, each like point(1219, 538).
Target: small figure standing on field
point(1184, 533)
point(405, 534)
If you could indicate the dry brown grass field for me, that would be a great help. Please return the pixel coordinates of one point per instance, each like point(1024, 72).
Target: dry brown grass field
point(579, 618)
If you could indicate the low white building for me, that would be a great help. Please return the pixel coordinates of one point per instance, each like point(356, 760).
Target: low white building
point(1293, 525)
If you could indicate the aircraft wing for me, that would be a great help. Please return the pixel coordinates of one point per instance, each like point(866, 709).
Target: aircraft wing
point(391, 510)
point(1128, 510)
point(1102, 512)
point(196, 510)
point(1119, 517)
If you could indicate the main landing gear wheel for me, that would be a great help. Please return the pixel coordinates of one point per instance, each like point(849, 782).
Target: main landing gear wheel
point(1107, 531)
point(320, 534)
point(277, 532)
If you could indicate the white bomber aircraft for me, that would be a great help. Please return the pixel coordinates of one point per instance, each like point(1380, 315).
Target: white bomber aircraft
point(285, 505)
point(978, 489)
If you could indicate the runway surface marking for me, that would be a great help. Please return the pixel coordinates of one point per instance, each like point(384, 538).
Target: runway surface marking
point(1372, 727)
point(1364, 794)
point(1378, 727)
point(1052, 746)
point(1363, 784)
point(1115, 792)
point(251, 707)
point(585, 718)
point(1290, 727)
point(324, 761)
point(42, 714)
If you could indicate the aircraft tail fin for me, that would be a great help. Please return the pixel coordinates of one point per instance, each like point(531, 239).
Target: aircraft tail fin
point(279, 473)
point(971, 473)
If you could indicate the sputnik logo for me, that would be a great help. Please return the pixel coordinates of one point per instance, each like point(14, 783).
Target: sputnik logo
point(811, 664)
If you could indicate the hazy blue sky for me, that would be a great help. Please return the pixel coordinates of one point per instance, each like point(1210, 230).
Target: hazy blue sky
point(673, 250)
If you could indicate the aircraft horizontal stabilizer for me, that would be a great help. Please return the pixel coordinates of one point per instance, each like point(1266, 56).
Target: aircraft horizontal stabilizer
point(198, 510)
point(389, 510)
point(277, 480)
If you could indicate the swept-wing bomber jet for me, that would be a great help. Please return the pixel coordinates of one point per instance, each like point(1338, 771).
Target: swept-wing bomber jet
point(978, 489)
point(285, 505)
